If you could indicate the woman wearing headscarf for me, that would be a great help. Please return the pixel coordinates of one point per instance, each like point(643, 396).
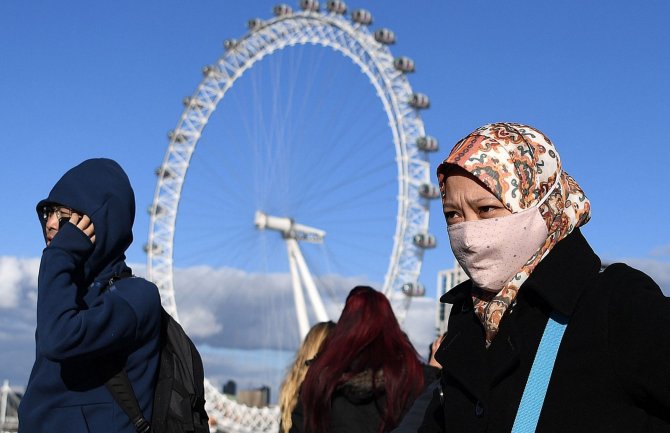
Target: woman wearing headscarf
point(513, 217)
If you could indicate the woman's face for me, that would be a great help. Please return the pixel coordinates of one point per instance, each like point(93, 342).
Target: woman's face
point(465, 199)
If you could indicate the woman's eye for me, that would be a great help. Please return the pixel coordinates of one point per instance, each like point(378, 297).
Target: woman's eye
point(451, 217)
point(489, 211)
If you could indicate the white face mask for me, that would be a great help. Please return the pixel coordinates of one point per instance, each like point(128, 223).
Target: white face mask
point(492, 251)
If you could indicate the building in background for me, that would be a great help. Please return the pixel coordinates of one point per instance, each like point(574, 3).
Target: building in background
point(230, 388)
point(259, 397)
point(255, 397)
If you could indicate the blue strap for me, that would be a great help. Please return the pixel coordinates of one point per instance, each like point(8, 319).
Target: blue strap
point(540, 373)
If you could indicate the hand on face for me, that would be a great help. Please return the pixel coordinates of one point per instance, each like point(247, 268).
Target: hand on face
point(83, 223)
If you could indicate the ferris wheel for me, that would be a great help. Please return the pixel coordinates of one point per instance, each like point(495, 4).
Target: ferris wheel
point(404, 168)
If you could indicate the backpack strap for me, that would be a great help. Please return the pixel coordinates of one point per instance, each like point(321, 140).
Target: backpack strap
point(538, 380)
point(119, 385)
point(122, 390)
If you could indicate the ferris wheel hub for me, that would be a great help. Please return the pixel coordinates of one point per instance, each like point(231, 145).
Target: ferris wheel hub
point(288, 228)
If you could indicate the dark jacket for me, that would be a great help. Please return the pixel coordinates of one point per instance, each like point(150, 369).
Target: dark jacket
point(358, 404)
point(611, 373)
point(86, 330)
point(414, 416)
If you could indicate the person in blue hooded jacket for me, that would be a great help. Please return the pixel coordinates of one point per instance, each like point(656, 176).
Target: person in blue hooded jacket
point(92, 321)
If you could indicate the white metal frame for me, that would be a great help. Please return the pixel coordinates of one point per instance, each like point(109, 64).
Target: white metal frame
point(301, 278)
point(8, 419)
point(357, 43)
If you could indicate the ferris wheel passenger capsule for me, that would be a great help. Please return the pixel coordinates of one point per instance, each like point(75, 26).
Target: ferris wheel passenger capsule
point(153, 248)
point(362, 16)
point(414, 290)
point(155, 209)
point(403, 64)
point(177, 136)
point(385, 36)
point(190, 101)
point(210, 70)
point(336, 7)
point(428, 190)
point(254, 24)
point(424, 240)
point(163, 173)
point(229, 44)
point(309, 5)
point(282, 10)
point(419, 101)
point(427, 143)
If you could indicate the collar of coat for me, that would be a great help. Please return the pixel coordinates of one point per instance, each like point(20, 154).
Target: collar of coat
point(561, 273)
point(363, 386)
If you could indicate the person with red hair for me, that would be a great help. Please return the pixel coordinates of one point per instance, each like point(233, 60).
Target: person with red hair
point(366, 375)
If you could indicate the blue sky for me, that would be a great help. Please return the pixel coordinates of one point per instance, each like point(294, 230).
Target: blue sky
point(85, 79)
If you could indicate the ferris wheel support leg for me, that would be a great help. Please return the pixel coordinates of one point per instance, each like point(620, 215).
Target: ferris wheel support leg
point(3, 402)
point(298, 297)
point(312, 292)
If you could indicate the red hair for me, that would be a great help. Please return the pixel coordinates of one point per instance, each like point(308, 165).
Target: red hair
point(367, 337)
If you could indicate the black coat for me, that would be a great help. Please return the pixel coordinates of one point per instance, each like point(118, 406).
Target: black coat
point(356, 407)
point(414, 416)
point(612, 372)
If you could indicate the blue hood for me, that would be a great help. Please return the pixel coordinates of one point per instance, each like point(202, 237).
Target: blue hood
point(100, 189)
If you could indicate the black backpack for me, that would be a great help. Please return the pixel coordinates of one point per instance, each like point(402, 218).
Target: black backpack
point(179, 396)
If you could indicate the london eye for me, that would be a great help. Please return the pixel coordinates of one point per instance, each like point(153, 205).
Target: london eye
point(306, 177)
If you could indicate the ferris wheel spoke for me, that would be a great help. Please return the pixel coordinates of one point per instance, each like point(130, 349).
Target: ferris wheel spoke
point(336, 264)
point(359, 199)
point(209, 249)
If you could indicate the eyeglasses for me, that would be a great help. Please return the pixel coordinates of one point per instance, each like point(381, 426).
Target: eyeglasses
point(62, 213)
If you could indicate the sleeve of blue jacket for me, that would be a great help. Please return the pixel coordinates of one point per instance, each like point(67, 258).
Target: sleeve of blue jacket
point(68, 328)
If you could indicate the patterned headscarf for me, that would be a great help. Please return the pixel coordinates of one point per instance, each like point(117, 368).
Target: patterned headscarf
point(519, 165)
